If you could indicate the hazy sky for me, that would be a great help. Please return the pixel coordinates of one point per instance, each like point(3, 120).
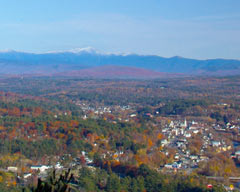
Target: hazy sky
point(189, 28)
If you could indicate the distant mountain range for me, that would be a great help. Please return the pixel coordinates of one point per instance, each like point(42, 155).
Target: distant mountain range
point(88, 62)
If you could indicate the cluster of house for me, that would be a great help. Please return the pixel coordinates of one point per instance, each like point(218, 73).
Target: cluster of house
point(177, 136)
point(97, 111)
point(228, 127)
point(41, 170)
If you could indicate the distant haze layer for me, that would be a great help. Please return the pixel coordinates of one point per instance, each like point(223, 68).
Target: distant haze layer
point(88, 62)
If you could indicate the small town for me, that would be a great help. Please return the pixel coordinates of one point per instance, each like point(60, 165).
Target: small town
point(186, 143)
point(120, 96)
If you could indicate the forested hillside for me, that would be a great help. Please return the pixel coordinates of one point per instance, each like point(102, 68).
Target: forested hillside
point(120, 135)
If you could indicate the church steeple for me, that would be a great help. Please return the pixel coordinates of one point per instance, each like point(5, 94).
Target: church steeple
point(185, 123)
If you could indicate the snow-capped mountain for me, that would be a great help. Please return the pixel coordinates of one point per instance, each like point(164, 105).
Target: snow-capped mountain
point(58, 62)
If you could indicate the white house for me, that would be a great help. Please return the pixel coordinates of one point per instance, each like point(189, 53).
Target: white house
point(26, 175)
point(216, 143)
point(41, 168)
point(12, 169)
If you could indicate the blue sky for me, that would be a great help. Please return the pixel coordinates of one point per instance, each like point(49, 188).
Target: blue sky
point(189, 28)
